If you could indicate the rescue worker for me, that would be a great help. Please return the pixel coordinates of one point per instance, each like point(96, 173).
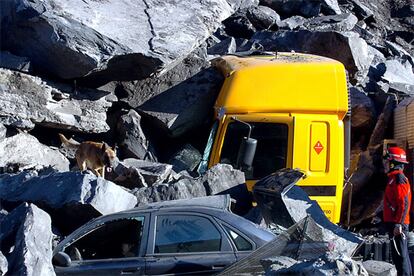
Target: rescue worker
point(397, 201)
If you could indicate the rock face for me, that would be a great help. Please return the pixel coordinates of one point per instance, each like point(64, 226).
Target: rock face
point(28, 231)
point(73, 39)
point(12, 62)
point(180, 100)
point(26, 101)
point(71, 198)
point(24, 151)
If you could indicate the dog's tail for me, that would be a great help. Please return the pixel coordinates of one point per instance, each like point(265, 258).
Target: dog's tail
point(68, 143)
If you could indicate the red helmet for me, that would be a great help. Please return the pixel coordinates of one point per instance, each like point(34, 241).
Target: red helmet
point(396, 154)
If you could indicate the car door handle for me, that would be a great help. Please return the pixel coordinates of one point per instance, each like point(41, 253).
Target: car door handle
point(130, 271)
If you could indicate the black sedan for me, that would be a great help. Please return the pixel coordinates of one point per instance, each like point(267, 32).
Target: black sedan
point(198, 236)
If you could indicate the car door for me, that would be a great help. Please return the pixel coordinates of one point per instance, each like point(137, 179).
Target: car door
point(187, 243)
point(114, 247)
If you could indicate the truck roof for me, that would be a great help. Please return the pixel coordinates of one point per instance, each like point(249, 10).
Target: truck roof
point(282, 83)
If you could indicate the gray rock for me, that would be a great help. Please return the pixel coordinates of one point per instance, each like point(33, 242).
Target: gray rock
point(3, 264)
point(132, 139)
point(361, 10)
point(27, 101)
point(23, 151)
point(72, 198)
point(341, 23)
point(245, 45)
point(12, 62)
point(109, 40)
point(180, 100)
point(363, 113)
point(277, 262)
point(227, 46)
point(292, 22)
point(3, 132)
point(290, 204)
point(134, 173)
point(347, 47)
point(329, 264)
point(262, 17)
point(306, 8)
point(379, 268)
point(400, 76)
point(239, 26)
point(187, 158)
point(218, 179)
point(27, 233)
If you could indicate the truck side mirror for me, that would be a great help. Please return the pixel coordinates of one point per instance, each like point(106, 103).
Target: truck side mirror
point(246, 153)
point(61, 259)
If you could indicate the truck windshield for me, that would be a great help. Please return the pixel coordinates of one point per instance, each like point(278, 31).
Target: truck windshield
point(271, 152)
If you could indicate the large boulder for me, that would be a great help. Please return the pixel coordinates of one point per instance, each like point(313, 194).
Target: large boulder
point(221, 178)
point(346, 47)
point(341, 23)
point(262, 17)
point(307, 8)
point(181, 99)
point(72, 198)
point(27, 101)
point(23, 151)
point(12, 62)
point(27, 234)
point(379, 268)
point(399, 75)
point(109, 40)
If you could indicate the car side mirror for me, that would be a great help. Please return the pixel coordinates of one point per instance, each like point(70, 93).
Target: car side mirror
point(246, 153)
point(61, 259)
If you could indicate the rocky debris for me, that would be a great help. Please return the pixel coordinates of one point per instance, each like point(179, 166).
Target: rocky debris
point(284, 204)
point(216, 180)
point(180, 100)
point(277, 262)
point(227, 46)
point(72, 198)
point(23, 151)
point(329, 264)
point(12, 62)
point(306, 8)
point(239, 26)
point(262, 17)
point(399, 75)
point(134, 173)
point(3, 132)
point(187, 158)
point(292, 22)
point(379, 268)
point(27, 101)
point(3, 264)
point(72, 40)
point(346, 47)
point(132, 139)
point(361, 10)
point(26, 240)
point(341, 23)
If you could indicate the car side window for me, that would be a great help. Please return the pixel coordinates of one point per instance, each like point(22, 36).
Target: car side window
point(241, 243)
point(114, 239)
point(186, 233)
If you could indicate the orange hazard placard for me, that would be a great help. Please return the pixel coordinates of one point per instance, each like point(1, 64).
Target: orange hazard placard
point(318, 147)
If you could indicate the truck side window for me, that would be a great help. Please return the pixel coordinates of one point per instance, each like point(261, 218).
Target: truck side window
point(271, 152)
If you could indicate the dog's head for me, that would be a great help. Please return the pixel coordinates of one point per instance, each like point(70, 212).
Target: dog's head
point(109, 157)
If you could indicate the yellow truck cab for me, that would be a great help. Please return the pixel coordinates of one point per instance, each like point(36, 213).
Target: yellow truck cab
point(294, 105)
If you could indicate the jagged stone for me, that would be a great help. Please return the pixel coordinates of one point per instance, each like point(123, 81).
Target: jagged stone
point(181, 99)
point(27, 101)
point(262, 17)
point(26, 233)
point(245, 45)
point(134, 173)
point(73, 39)
point(23, 151)
point(187, 158)
point(239, 26)
point(72, 198)
point(218, 179)
point(12, 62)
point(306, 8)
point(379, 268)
point(341, 23)
point(329, 264)
point(400, 76)
point(3, 264)
point(3, 131)
point(277, 262)
point(361, 10)
point(346, 47)
point(132, 140)
point(227, 46)
point(292, 22)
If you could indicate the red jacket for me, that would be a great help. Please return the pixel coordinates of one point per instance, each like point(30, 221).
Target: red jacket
point(397, 198)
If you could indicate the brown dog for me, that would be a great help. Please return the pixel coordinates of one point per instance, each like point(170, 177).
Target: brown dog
point(92, 155)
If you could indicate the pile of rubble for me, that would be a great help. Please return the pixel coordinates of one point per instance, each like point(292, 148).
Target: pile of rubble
point(138, 75)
